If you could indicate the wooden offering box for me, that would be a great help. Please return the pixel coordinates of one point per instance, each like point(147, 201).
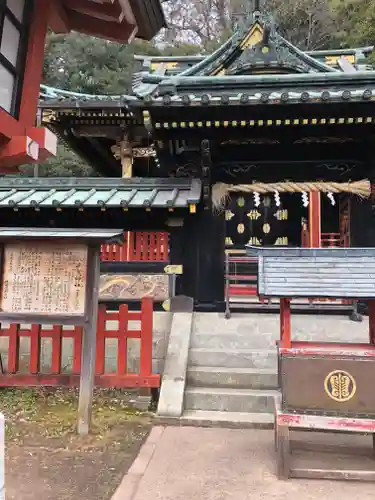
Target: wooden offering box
point(324, 386)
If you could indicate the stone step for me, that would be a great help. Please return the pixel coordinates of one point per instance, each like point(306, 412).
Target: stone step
point(229, 400)
point(241, 378)
point(234, 358)
point(227, 419)
point(234, 341)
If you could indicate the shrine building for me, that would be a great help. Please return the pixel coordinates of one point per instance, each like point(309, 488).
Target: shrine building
point(257, 143)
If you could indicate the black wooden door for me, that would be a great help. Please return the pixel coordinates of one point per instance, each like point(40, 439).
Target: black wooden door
point(246, 223)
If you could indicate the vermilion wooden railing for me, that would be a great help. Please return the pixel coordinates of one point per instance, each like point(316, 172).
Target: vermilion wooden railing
point(138, 246)
point(111, 325)
point(330, 240)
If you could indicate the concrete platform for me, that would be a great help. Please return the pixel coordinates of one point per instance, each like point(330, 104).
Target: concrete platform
point(184, 463)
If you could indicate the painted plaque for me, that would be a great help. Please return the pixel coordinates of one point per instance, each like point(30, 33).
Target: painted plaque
point(44, 278)
point(134, 286)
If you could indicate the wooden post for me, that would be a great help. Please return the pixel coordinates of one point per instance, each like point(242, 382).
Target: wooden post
point(87, 377)
point(314, 219)
point(285, 338)
point(283, 451)
point(371, 321)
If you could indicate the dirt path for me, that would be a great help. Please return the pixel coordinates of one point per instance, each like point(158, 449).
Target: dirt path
point(45, 458)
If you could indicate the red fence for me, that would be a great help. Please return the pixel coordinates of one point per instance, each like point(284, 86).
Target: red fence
point(13, 376)
point(138, 246)
point(330, 240)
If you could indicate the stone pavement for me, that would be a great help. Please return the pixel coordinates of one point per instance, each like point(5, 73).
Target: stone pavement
point(194, 463)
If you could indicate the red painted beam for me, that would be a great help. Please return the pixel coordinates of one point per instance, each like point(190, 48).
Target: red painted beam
point(106, 11)
point(19, 150)
point(118, 32)
point(58, 19)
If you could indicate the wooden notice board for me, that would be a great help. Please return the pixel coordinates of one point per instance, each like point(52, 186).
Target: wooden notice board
point(47, 278)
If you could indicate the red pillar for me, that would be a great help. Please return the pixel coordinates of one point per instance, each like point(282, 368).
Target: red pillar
point(34, 63)
point(314, 220)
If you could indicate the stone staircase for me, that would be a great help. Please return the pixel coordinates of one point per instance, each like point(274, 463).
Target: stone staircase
point(230, 372)
point(231, 379)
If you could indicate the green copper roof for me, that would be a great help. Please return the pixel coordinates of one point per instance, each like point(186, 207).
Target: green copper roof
point(175, 65)
point(255, 66)
point(39, 193)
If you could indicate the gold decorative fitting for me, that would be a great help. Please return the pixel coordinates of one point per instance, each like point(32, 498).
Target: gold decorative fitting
point(253, 241)
point(266, 228)
point(254, 36)
point(282, 241)
point(166, 65)
point(229, 215)
point(48, 116)
point(282, 214)
point(144, 152)
point(123, 151)
point(333, 60)
point(193, 209)
point(241, 228)
point(228, 241)
point(253, 215)
point(241, 202)
point(340, 386)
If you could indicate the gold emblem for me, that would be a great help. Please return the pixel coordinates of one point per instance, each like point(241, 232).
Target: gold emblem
point(254, 241)
point(241, 228)
point(241, 202)
point(282, 241)
point(229, 215)
point(340, 386)
point(266, 228)
point(281, 214)
point(253, 215)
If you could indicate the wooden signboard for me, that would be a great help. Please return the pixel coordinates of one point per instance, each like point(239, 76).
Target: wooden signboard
point(52, 277)
point(44, 278)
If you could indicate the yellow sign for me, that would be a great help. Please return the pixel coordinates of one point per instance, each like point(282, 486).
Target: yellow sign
point(166, 305)
point(340, 386)
point(174, 269)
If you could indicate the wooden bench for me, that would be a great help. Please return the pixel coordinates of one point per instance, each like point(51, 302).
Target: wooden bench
point(324, 386)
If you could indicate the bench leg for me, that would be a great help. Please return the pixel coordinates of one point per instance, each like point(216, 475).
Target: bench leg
point(283, 452)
